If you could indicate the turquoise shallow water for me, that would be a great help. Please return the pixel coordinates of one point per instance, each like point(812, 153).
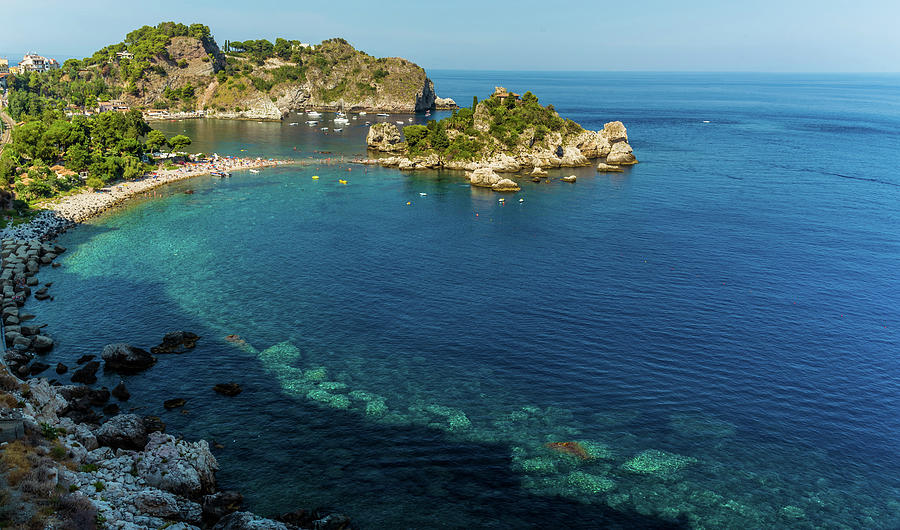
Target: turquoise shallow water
point(717, 326)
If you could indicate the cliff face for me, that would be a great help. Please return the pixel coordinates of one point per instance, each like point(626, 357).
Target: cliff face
point(187, 62)
point(197, 75)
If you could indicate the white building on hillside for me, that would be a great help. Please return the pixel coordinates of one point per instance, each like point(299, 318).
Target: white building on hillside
point(33, 62)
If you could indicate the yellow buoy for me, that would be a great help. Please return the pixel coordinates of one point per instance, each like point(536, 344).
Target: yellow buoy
point(342, 181)
point(408, 203)
point(315, 177)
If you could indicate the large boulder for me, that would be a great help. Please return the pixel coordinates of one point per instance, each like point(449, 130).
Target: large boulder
point(445, 104)
point(484, 177)
point(603, 167)
point(87, 374)
point(505, 185)
point(125, 358)
point(384, 137)
point(177, 466)
point(42, 344)
point(125, 431)
point(621, 154)
point(615, 131)
point(592, 144)
point(218, 505)
point(572, 157)
point(248, 521)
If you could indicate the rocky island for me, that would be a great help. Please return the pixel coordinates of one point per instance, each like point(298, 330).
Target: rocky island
point(174, 67)
point(505, 133)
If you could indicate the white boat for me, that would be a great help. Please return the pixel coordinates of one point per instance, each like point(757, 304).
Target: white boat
point(384, 114)
point(363, 113)
point(399, 122)
point(355, 118)
point(313, 114)
point(254, 171)
point(338, 130)
point(293, 123)
point(312, 123)
point(341, 121)
point(324, 129)
point(423, 194)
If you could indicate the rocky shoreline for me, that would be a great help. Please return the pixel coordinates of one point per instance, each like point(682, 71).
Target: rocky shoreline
point(124, 473)
point(609, 148)
point(70, 459)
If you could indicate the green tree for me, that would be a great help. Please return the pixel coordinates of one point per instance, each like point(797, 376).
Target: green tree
point(94, 183)
point(77, 158)
point(415, 134)
point(179, 142)
point(156, 141)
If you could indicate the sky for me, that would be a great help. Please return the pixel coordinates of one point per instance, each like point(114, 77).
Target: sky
point(643, 35)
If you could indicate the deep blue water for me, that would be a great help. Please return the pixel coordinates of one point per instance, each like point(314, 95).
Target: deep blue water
point(731, 300)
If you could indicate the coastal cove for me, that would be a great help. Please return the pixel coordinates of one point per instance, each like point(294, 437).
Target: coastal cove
point(661, 325)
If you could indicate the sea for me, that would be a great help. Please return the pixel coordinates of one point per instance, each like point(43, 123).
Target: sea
point(709, 339)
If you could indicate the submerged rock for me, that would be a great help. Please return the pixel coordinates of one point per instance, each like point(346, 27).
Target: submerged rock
point(37, 367)
point(228, 389)
point(660, 464)
point(120, 392)
point(125, 358)
point(176, 342)
point(590, 483)
point(153, 424)
point(87, 374)
point(170, 404)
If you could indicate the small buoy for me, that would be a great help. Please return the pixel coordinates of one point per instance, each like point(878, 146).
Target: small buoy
point(521, 200)
point(342, 181)
point(408, 203)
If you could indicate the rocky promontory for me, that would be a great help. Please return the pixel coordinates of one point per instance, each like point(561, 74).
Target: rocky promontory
point(506, 133)
point(182, 68)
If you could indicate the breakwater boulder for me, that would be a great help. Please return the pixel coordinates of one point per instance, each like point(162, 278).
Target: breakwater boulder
point(126, 359)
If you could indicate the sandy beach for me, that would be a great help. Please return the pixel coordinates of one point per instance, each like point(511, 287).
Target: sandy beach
point(60, 214)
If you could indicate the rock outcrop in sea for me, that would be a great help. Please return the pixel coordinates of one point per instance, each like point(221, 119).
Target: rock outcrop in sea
point(506, 133)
